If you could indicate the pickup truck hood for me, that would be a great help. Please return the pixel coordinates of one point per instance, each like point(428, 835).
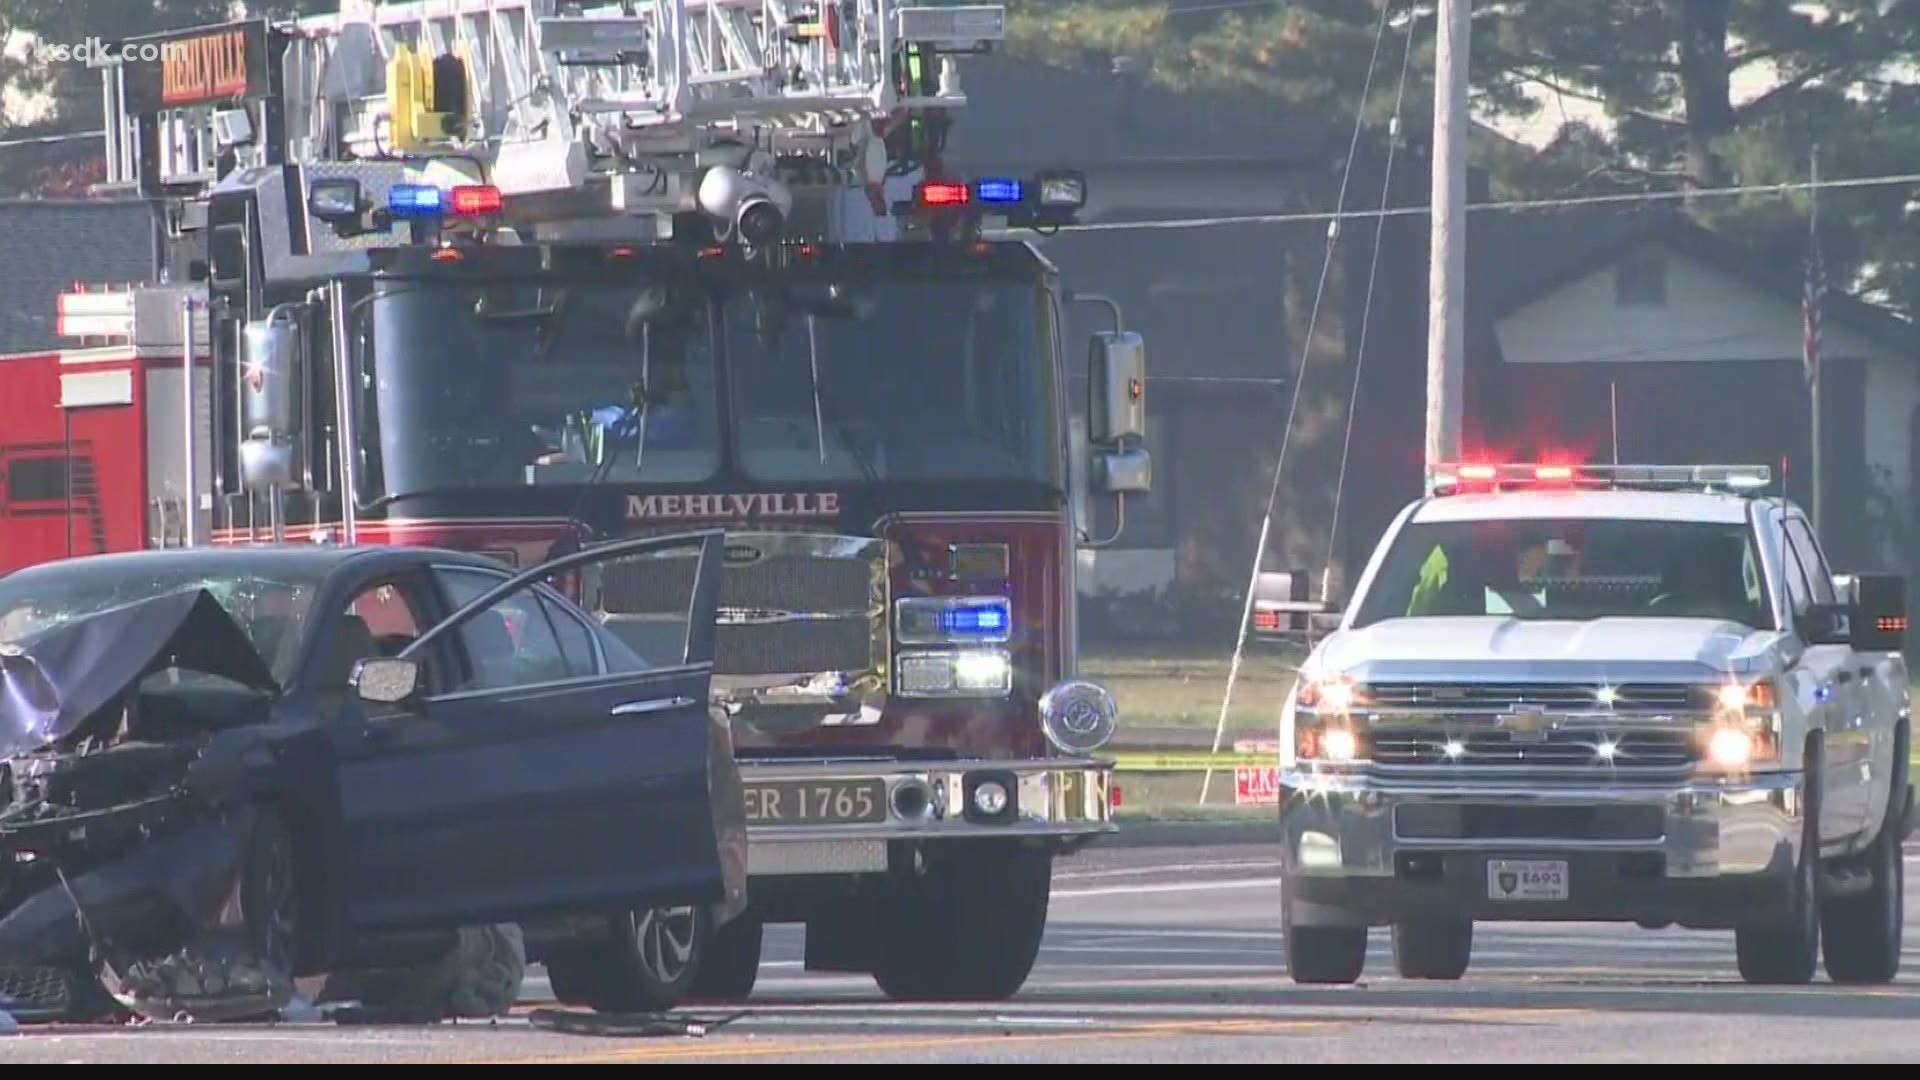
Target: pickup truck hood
point(1501, 646)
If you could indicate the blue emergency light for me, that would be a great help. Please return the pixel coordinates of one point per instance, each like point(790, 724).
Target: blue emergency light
point(1001, 189)
point(981, 622)
point(415, 200)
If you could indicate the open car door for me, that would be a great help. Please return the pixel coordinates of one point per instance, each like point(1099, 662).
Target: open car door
point(520, 761)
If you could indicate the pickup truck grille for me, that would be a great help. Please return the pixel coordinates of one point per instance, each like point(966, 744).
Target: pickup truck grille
point(1553, 749)
point(1499, 697)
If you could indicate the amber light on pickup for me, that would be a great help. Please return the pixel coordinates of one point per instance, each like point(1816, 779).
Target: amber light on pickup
point(1735, 697)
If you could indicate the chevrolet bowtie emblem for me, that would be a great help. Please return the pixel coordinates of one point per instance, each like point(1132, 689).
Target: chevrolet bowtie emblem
point(1525, 722)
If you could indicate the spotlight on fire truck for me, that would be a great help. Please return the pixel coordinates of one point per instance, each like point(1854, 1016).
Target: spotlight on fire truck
point(745, 203)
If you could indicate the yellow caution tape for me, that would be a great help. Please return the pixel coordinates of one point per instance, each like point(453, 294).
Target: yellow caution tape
point(1189, 762)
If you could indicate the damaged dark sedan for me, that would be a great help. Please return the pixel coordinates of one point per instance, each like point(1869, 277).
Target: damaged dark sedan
point(226, 771)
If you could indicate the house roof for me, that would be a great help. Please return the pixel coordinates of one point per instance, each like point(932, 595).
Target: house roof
point(1518, 258)
point(47, 245)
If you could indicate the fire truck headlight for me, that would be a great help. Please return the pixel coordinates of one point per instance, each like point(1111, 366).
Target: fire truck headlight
point(962, 673)
point(1079, 717)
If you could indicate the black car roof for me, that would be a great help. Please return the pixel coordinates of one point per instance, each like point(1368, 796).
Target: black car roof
point(317, 560)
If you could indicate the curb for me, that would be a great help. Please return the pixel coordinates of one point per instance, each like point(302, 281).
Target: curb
point(1191, 833)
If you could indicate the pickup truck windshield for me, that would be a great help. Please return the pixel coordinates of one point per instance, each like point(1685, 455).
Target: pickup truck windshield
point(1570, 569)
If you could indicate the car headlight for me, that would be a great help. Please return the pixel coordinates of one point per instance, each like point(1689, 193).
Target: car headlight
point(1079, 717)
point(959, 673)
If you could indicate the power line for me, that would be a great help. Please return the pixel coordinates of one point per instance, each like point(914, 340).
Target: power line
point(1888, 180)
point(41, 140)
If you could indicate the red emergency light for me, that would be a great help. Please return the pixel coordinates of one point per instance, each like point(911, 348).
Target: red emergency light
point(477, 199)
point(945, 193)
point(1553, 473)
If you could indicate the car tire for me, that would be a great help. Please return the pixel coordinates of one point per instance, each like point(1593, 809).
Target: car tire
point(732, 964)
point(1433, 948)
point(269, 893)
point(1789, 952)
point(968, 929)
point(1861, 934)
point(648, 965)
point(1319, 955)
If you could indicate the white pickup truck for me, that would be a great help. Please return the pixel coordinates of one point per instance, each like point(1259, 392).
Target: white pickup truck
point(1621, 693)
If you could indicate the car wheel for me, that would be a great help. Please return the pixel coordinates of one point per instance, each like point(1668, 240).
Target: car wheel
point(1789, 951)
point(270, 894)
point(1433, 949)
point(650, 965)
point(1323, 954)
point(1861, 933)
point(732, 963)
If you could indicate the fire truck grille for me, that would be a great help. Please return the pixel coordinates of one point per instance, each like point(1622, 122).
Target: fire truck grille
point(788, 604)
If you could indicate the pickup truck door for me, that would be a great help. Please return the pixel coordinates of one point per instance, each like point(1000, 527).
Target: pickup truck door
point(535, 775)
point(1842, 691)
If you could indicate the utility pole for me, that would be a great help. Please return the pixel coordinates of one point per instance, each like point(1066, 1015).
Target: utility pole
point(1447, 256)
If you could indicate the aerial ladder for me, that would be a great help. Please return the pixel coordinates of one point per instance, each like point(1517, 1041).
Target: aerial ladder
point(749, 114)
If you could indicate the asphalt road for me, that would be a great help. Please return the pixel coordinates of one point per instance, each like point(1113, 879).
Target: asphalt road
point(1174, 954)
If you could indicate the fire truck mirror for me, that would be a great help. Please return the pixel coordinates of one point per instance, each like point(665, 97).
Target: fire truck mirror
point(1124, 472)
point(1117, 374)
point(271, 401)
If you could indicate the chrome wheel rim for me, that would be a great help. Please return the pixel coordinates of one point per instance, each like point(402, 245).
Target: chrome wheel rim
point(666, 937)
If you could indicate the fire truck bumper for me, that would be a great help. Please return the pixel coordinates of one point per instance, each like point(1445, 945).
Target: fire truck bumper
point(841, 817)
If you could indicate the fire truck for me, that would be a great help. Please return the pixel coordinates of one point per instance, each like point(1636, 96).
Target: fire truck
point(517, 277)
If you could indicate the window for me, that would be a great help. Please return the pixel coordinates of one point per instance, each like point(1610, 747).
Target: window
point(1812, 562)
point(511, 643)
point(1640, 279)
point(380, 620)
point(576, 641)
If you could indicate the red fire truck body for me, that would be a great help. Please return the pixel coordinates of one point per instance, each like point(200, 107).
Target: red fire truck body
point(399, 347)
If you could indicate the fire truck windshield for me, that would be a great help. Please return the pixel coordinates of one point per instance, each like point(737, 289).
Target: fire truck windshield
point(894, 380)
point(568, 383)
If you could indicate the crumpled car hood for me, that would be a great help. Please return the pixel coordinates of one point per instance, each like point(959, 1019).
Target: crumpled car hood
point(52, 681)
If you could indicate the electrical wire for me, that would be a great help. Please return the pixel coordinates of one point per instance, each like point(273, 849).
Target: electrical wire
point(1366, 311)
point(1306, 346)
point(1336, 216)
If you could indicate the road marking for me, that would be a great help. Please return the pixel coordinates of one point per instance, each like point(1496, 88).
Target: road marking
point(1185, 886)
point(932, 1042)
point(1166, 868)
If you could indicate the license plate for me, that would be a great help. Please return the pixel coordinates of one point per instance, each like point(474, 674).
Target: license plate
point(1521, 879)
point(816, 802)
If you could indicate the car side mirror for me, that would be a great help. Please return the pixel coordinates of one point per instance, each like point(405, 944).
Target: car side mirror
point(1282, 609)
point(387, 680)
point(1877, 610)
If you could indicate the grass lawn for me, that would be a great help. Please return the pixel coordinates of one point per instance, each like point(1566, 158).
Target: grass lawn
point(1187, 691)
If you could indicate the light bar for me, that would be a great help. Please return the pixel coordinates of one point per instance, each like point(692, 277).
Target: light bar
point(944, 193)
point(415, 200)
point(1456, 477)
point(928, 620)
point(1000, 189)
point(477, 199)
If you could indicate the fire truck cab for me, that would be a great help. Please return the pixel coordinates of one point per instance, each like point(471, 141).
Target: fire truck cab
point(504, 277)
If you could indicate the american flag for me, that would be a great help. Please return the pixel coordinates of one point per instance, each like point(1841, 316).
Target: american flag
point(1815, 292)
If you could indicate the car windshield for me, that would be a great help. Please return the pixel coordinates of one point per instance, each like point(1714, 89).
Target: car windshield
point(536, 383)
point(1570, 569)
point(897, 380)
point(271, 609)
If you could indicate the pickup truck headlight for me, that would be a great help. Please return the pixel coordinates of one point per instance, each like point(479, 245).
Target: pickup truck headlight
point(1335, 695)
point(1745, 728)
point(1328, 740)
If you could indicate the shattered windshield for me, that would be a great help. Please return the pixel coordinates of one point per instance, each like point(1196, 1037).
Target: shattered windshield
point(893, 380)
point(1570, 569)
point(270, 609)
point(528, 383)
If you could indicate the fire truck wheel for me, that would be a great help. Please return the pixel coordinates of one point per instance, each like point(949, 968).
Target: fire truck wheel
point(967, 929)
point(732, 963)
point(650, 964)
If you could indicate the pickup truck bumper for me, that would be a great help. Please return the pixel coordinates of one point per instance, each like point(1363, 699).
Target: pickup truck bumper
point(840, 817)
point(1361, 852)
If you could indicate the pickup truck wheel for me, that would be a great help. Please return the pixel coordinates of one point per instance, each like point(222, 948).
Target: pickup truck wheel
point(1788, 952)
point(1432, 949)
point(732, 963)
point(1861, 933)
point(649, 965)
point(1324, 954)
point(969, 929)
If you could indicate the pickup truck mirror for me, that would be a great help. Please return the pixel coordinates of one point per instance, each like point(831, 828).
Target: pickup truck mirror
point(1281, 607)
point(1826, 624)
point(1878, 612)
